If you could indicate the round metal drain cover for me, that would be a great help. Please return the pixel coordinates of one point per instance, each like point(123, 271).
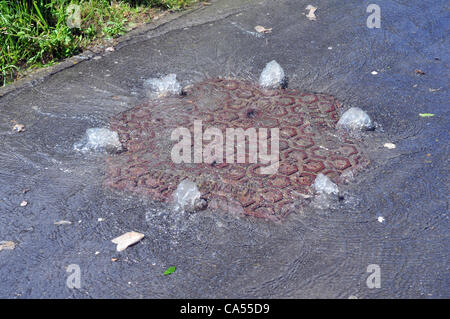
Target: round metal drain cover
point(308, 145)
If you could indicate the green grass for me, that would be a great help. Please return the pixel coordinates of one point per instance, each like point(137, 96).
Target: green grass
point(36, 33)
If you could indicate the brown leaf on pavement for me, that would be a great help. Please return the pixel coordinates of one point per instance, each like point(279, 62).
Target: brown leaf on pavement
point(127, 239)
point(420, 72)
point(261, 29)
point(7, 245)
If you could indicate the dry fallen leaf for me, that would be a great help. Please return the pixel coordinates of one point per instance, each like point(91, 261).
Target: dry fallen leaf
point(420, 72)
point(261, 29)
point(311, 16)
point(127, 239)
point(19, 128)
point(109, 49)
point(62, 222)
point(7, 245)
point(114, 259)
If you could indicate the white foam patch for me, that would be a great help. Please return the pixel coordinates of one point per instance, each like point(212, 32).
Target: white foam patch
point(355, 119)
point(99, 139)
point(324, 185)
point(186, 196)
point(163, 86)
point(272, 76)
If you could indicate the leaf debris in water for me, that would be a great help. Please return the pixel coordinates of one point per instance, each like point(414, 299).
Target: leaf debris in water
point(426, 114)
point(127, 239)
point(19, 128)
point(261, 29)
point(170, 270)
point(418, 71)
point(311, 16)
point(7, 245)
point(62, 222)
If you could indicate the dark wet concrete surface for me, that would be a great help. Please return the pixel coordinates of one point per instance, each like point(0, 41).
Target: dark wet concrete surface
point(316, 252)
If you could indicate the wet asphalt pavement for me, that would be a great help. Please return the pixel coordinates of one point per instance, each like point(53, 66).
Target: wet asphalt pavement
point(315, 252)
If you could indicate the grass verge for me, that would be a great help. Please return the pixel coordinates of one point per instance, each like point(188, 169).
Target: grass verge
point(37, 33)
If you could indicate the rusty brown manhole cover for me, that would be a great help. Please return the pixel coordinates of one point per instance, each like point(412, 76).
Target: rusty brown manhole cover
point(309, 145)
